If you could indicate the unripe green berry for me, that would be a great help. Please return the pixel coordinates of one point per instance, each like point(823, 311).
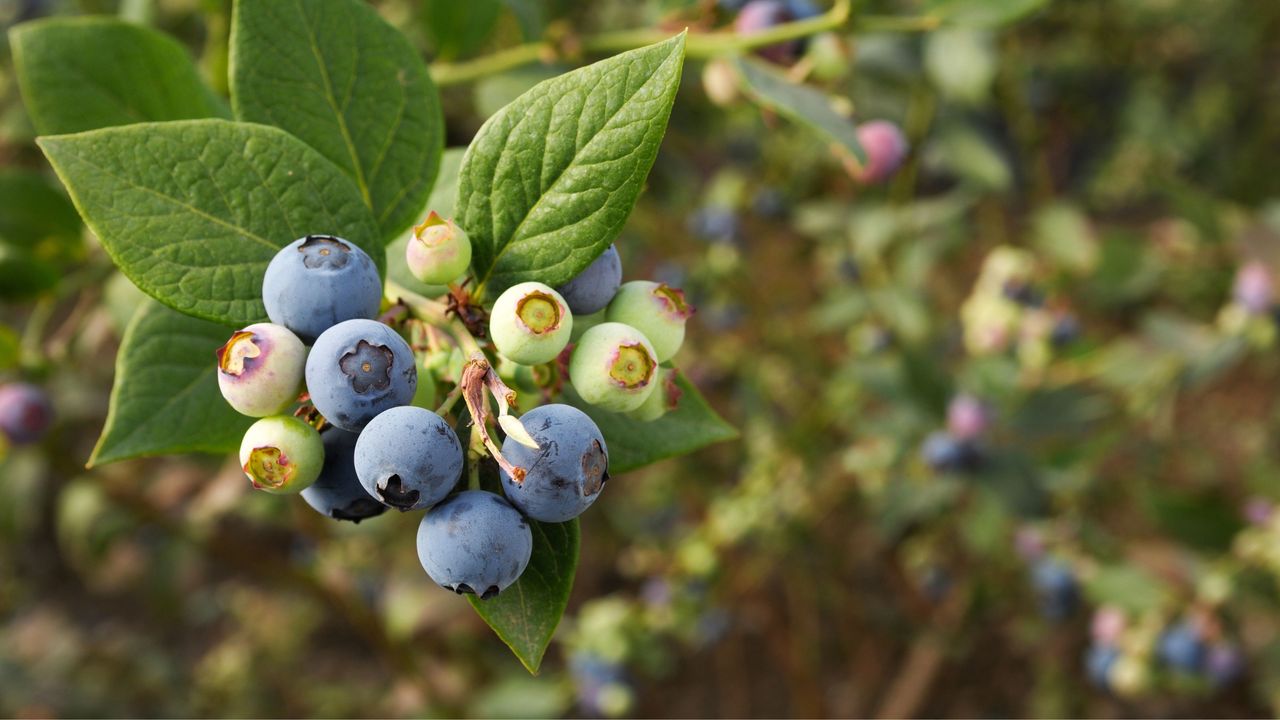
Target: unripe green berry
point(530, 323)
point(664, 398)
point(655, 309)
point(260, 369)
point(438, 252)
point(614, 367)
point(281, 454)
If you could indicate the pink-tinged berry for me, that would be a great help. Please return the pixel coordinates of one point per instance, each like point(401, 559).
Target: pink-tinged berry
point(664, 399)
point(1253, 287)
point(966, 417)
point(886, 148)
point(655, 309)
point(438, 252)
point(530, 323)
point(281, 454)
point(614, 367)
point(25, 413)
point(260, 369)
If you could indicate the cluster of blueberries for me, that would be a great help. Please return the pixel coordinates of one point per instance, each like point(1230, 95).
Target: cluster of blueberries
point(25, 413)
point(1187, 648)
point(377, 450)
point(958, 448)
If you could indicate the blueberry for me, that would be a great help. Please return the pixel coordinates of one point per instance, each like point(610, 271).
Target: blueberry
point(601, 685)
point(260, 369)
point(337, 493)
point(1066, 329)
point(319, 281)
point(530, 323)
point(1253, 287)
point(567, 471)
point(714, 224)
point(770, 203)
point(614, 367)
point(1023, 293)
point(655, 309)
point(438, 252)
point(475, 542)
point(1098, 661)
point(802, 9)
point(946, 453)
point(1055, 587)
point(1224, 664)
point(409, 458)
point(760, 15)
point(281, 454)
point(1181, 648)
point(358, 369)
point(886, 148)
point(592, 289)
point(25, 413)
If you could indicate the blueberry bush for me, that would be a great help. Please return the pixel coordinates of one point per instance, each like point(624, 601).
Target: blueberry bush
point(924, 348)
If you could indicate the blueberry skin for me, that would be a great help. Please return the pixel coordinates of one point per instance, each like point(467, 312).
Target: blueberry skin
point(1056, 588)
point(475, 543)
point(1181, 648)
point(1098, 661)
point(337, 493)
point(356, 370)
point(318, 281)
point(566, 473)
point(592, 289)
point(946, 453)
point(408, 458)
point(25, 413)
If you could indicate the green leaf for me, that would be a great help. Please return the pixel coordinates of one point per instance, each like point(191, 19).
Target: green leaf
point(634, 443)
point(807, 106)
point(457, 29)
point(526, 614)
point(165, 398)
point(442, 200)
point(1127, 586)
point(22, 275)
point(336, 75)
point(983, 13)
point(549, 181)
point(193, 211)
point(34, 212)
point(87, 73)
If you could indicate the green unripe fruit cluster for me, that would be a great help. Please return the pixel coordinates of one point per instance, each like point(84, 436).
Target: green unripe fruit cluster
point(530, 324)
point(655, 309)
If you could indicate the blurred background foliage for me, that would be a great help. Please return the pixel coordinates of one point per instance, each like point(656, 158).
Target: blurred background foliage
point(1008, 429)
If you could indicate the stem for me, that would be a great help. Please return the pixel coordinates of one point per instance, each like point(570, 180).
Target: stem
point(434, 313)
point(450, 400)
point(698, 45)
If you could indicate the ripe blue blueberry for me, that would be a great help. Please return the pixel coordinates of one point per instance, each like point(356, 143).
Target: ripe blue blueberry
point(1181, 648)
point(25, 413)
point(1055, 587)
point(260, 369)
point(601, 685)
point(530, 323)
point(592, 289)
point(409, 458)
point(945, 453)
point(1224, 664)
point(567, 471)
point(760, 15)
point(281, 454)
point(886, 148)
point(1098, 661)
point(475, 543)
point(357, 369)
point(715, 224)
point(337, 493)
point(318, 281)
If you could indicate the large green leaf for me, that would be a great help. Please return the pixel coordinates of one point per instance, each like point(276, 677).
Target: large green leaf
point(805, 105)
point(193, 211)
point(93, 72)
point(634, 443)
point(549, 181)
point(165, 398)
point(334, 74)
point(526, 614)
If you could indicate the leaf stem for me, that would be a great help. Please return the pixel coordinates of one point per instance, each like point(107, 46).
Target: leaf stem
point(698, 45)
point(435, 313)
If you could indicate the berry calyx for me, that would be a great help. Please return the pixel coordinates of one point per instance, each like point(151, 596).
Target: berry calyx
point(530, 323)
